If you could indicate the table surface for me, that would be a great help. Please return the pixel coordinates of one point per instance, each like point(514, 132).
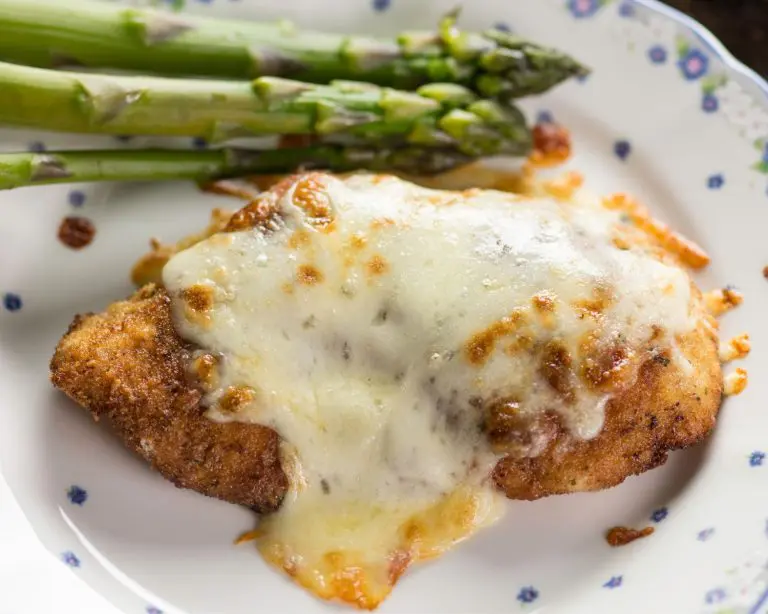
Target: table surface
point(33, 581)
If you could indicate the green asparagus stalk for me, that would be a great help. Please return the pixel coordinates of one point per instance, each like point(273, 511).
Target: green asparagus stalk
point(52, 33)
point(26, 169)
point(438, 115)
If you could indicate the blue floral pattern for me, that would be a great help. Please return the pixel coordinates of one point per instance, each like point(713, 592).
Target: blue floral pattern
point(153, 610)
point(693, 63)
point(716, 595)
point(11, 301)
point(657, 54)
point(69, 558)
point(545, 117)
point(76, 198)
point(716, 181)
point(584, 8)
point(705, 534)
point(527, 594)
point(622, 149)
point(77, 495)
point(36, 147)
point(756, 459)
point(710, 103)
point(614, 582)
point(627, 9)
point(659, 514)
point(381, 5)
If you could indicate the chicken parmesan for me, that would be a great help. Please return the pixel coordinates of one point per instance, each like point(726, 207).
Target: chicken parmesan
point(375, 364)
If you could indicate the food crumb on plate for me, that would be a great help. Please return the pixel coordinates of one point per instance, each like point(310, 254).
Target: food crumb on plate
point(76, 232)
point(621, 536)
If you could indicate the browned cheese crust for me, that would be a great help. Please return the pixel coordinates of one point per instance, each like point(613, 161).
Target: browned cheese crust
point(666, 409)
point(128, 365)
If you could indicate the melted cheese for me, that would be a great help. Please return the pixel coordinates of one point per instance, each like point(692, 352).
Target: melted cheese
point(374, 343)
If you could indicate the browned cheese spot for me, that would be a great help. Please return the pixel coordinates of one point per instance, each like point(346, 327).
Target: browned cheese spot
point(376, 266)
point(205, 370)
point(236, 398)
point(308, 275)
point(606, 362)
point(384, 222)
point(298, 239)
point(722, 300)
point(556, 369)
point(510, 432)
point(259, 213)
point(481, 345)
point(602, 298)
point(358, 241)
point(736, 382)
point(310, 195)
point(198, 298)
point(544, 301)
point(563, 187)
point(76, 232)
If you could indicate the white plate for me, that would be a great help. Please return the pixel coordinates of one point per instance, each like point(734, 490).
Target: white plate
point(668, 115)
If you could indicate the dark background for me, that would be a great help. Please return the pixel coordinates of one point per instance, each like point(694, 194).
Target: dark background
point(742, 25)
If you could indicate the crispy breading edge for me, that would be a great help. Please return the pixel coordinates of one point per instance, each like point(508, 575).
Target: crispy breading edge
point(128, 365)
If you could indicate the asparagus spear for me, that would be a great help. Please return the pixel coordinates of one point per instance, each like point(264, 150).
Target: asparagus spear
point(49, 33)
point(439, 115)
point(24, 169)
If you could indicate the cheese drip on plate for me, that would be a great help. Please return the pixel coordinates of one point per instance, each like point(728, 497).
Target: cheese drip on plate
point(401, 340)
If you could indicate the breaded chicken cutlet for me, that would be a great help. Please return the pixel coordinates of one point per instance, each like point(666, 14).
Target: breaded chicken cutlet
point(127, 364)
point(555, 346)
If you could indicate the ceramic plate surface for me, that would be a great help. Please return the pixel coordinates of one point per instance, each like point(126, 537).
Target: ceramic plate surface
point(667, 115)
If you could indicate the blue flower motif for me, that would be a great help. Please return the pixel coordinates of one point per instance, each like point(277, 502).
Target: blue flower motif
point(545, 117)
point(622, 149)
point(502, 27)
point(657, 54)
point(705, 534)
point(11, 301)
point(381, 5)
point(716, 595)
point(614, 582)
point(153, 610)
point(583, 78)
point(715, 182)
point(694, 64)
point(659, 514)
point(70, 559)
point(199, 143)
point(583, 8)
point(76, 198)
point(527, 594)
point(627, 9)
point(756, 459)
point(77, 495)
point(710, 103)
point(36, 147)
